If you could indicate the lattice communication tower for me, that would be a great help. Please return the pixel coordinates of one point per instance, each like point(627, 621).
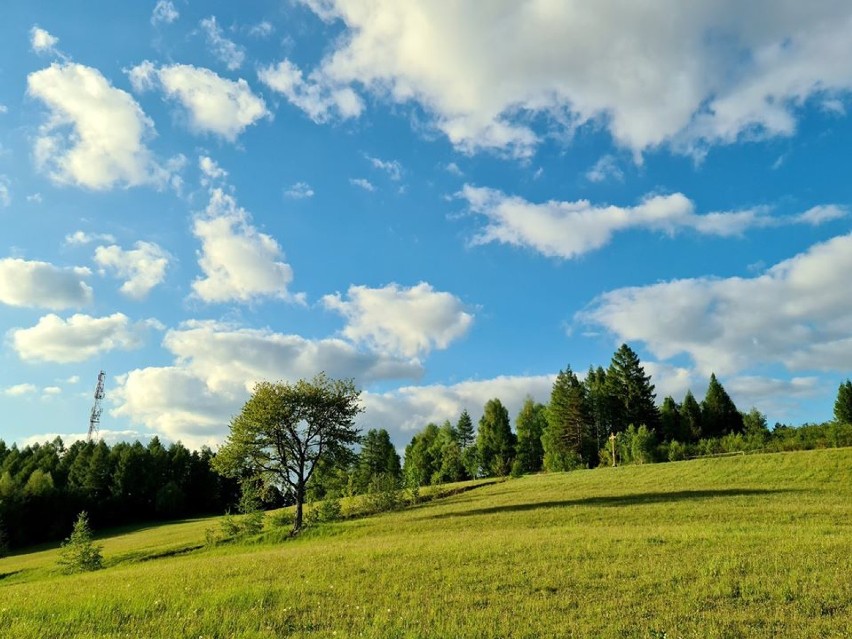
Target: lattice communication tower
point(97, 408)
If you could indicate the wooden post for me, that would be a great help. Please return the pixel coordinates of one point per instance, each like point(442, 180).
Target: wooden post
point(612, 440)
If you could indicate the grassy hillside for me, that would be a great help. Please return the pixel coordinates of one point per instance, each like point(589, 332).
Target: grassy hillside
point(753, 546)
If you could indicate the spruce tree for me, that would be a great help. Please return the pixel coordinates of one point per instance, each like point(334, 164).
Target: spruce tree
point(568, 440)
point(79, 553)
point(464, 430)
point(495, 440)
point(530, 424)
point(690, 417)
point(670, 421)
point(843, 403)
point(631, 391)
point(719, 414)
point(602, 405)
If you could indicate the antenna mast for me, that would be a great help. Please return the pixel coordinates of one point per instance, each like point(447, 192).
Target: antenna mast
point(95, 415)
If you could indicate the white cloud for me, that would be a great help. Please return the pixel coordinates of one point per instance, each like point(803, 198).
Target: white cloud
point(74, 379)
point(78, 338)
point(142, 267)
point(41, 41)
point(3, 109)
point(569, 229)
point(821, 214)
point(227, 51)
point(772, 395)
point(239, 263)
point(262, 29)
point(50, 391)
point(299, 191)
point(409, 408)
point(81, 238)
point(210, 169)
point(361, 183)
point(94, 134)
point(651, 73)
point(19, 390)
point(213, 104)
point(795, 314)
point(454, 169)
point(317, 98)
point(604, 169)
point(43, 285)
point(217, 365)
point(392, 167)
point(5, 194)
point(405, 321)
point(164, 12)
point(35, 198)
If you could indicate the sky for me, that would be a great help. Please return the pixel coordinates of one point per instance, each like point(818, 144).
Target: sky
point(446, 201)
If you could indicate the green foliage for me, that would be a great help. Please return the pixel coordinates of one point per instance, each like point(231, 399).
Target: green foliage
point(284, 430)
point(567, 439)
point(719, 415)
point(672, 426)
point(843, 403)
point(690, 415)
point(377, 457)
point(630, 391)
point(329, 509)
point(384, 494)
point(495, 440)
point(530, 423)
point(79, 553)
point(464, 429)
point(40, 484)
point(755, 428)
point(4, 539)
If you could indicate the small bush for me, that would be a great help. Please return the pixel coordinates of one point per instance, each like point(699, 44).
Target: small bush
point(383, 494)
point(329, 509)
point(78, 553)
point(230, 526)
point(252, 523)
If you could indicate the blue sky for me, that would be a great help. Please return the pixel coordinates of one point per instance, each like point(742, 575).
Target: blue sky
point(447, 202)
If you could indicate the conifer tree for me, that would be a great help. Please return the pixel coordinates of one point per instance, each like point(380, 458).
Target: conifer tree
point(631, 391)
point(690, 416)
point(602, 404)
point(79, 553)
point(568, 439)
point(843, 403)
point(670, 421)
point(719, 414)
point(495, 440)
point(464, 430)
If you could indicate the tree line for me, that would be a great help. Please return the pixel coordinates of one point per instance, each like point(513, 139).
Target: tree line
point(43, 487)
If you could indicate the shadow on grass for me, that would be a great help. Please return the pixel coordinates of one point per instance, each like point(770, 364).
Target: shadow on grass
point(636, 499)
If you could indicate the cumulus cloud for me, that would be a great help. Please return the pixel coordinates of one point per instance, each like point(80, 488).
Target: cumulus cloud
point(42, 41)
point(217, 365)
point(405, 321)
point(666, 72)
point(94, 133)
point(19, 390)
point(213, 104)
point(604, 169)
point(569, 229)
point(227, 51)
point(142, 267)
point(239, 262)
point(409, 408)
point(81, 238)
point(41, 284)
point(299, 191)
point(319, 99)
point(164, 12)
point(795, 314)
point(78, 338)
point(361, 183)
point(210, 169)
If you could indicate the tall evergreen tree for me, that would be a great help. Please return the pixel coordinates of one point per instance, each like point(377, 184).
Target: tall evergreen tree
point(377, 457)
point(568, 440)
point(632, 392)
point(690, 417)
point(843, 403)
point(530, 424)
point(602, 404)
point(671, 427)
point(464, 429)
point(719, 414)
point(495, 440)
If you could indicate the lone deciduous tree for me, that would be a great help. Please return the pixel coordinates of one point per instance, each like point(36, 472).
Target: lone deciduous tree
point(285, 429)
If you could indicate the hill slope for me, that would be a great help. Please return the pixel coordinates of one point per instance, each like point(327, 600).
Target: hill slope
point(738, 547)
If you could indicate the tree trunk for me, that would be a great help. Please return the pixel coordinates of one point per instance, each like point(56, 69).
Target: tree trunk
point(300, 500)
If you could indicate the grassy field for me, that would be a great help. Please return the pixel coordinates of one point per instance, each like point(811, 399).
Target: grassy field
point(752, 546)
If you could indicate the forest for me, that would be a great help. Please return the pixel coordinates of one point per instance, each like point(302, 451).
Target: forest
point(609, 417)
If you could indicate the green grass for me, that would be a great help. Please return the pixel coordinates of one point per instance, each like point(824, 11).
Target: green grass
point(752, 546)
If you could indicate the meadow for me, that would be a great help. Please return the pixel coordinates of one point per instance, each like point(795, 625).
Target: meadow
point(744, 546)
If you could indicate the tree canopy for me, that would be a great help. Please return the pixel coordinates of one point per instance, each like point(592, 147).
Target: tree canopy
point(284, 430)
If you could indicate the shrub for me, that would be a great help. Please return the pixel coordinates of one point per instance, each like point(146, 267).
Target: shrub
point(252, 523)
point(78, 553)
point(230, 526)
point(329, 509)
point(383, 494)
point(677, 451)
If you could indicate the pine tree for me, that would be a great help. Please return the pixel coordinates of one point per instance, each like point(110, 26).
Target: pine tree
point(690, 416)
point(79, 553)
point(464, 429)
point(377, 457)
point(568, 441)
point(495, 440)
point(632, 392)
point(843, 403)
point(670, 421)
point(530, 424)
point(719, 414)
point(602, 405)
